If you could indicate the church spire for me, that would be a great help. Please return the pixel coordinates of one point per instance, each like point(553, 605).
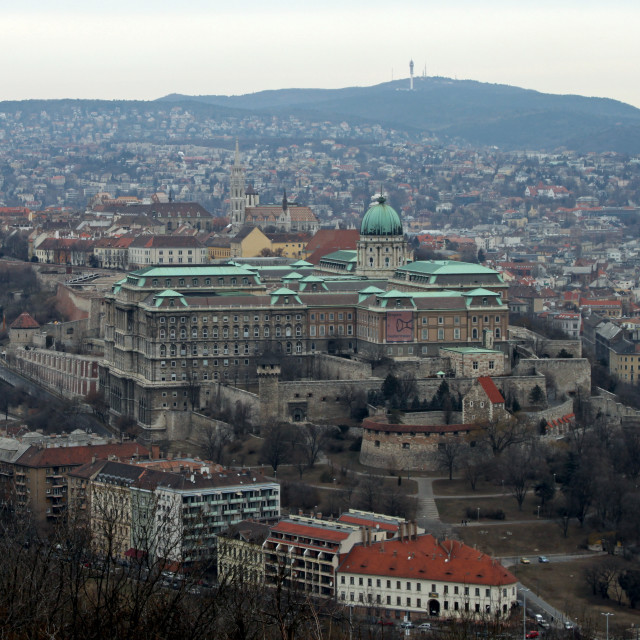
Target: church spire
point(284, 200)
point(237, 158)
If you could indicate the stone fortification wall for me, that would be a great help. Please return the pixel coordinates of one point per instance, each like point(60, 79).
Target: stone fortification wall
point(544, 346)
point(422, 368)
point(316, 400)
point(534, 418)
point(323, 400)
point(608, 405)
point(334, 368)
point(73, 305)
point(433, 418)
point(570, 375)
point(407, 446)
point(225, 397)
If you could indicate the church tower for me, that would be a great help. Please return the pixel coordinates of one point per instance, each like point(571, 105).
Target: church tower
point(237, 192)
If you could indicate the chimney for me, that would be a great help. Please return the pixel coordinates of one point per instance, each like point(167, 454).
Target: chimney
point(363, 531)
point(155, 452)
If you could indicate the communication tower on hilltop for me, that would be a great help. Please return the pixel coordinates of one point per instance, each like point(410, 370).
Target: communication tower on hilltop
point(411, 75)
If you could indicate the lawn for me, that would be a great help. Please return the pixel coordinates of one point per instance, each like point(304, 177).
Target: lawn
point(455, 509)
point(459, 487)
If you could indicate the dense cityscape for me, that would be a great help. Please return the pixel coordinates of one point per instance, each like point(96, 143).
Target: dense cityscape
point(273, 376)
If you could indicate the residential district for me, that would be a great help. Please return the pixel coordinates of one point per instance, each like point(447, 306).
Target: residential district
point(420, 295)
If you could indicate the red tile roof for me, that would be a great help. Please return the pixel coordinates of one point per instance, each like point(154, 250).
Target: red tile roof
point(24, 321)
point(489, 386)
point(72, 456)
point(368, 522)
point(426, 558)
point(310, 531)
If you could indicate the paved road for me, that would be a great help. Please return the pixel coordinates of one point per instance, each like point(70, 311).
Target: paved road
point(81, 421)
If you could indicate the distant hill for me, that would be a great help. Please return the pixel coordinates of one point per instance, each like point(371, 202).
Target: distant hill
point(475, 112)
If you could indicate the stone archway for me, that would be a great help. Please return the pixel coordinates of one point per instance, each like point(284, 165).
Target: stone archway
point(434, 608)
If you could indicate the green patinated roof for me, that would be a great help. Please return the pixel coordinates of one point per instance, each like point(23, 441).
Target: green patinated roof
point(294, 275)
point(371, 290)
point(394, 293)
point(159, 298)
point(470, 350)
point(301, 263)
point(312, 278)
point(381, 220)
point(480, 292)
point(210, 270)
point(344, 255)
point(283, 291)
point(441, 267)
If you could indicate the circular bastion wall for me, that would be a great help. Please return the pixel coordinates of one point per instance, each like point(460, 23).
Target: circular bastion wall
point(408, 446)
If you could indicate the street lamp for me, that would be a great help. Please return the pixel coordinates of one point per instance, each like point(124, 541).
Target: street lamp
point(607, 617)
point(538, 511)
point(554, 478)
point(524, 612)
point(478, 514)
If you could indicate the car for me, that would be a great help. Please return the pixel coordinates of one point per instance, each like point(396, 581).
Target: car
point(425, 626)
point(532, 634)
point(385, 623)
point(568, 625)
point(407, 624)
point(543, 559)
point(524, 560)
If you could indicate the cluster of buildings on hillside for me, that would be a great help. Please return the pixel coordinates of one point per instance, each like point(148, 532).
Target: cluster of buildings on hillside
point(181, 511)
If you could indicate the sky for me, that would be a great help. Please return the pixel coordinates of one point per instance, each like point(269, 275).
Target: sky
point(145, 49)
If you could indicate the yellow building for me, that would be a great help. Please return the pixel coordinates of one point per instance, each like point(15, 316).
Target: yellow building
point(219, 249)
point(249, 242)
point(289, 245)
point(625, 366)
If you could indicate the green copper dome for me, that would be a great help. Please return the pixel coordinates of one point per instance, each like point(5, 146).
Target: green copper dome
point(381, 220)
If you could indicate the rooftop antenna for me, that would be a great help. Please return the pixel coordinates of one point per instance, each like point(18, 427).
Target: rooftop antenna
point(411, 75)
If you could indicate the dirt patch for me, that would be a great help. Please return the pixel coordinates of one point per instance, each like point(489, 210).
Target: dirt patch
point(516, 540)
point(455, 509)
point(459, 487)
point(563, 585)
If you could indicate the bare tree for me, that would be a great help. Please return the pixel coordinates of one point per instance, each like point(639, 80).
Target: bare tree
point(276, 448)
point(449, 455)
point(501, 434)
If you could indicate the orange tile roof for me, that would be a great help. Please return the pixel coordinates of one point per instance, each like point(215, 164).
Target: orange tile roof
point(491, 390)
point(368, 522)
point(24, 321)
point(426, 558)
point(70, 456)
point(310, 531)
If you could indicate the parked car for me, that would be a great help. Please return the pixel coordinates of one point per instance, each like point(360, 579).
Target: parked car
point(568, 625)
point(425, 626)
point(543, 559)
point(524, 560)
point(385, 623)
point(407, 624)
point(532, 634)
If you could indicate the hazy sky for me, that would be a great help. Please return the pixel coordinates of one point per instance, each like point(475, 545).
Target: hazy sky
point(144, 49)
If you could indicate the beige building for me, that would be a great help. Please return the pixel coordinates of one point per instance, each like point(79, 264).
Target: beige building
point(239, 554)
point(483, 403)
point(420, 576)
point(473, 362)
point(40, 475)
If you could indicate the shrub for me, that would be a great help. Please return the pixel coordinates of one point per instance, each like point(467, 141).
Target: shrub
point(356, 445)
